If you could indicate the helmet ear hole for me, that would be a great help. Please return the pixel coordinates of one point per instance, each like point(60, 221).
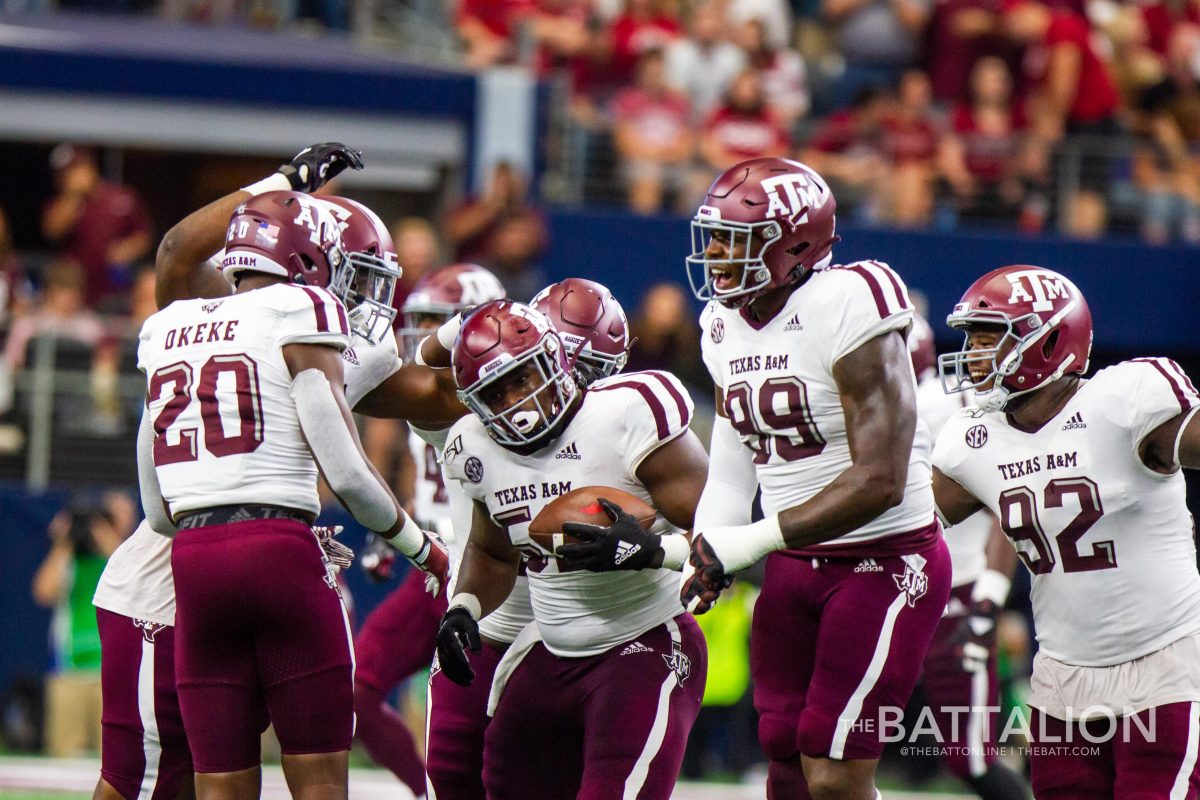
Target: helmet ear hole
point(1051, 343)
point(798, 249)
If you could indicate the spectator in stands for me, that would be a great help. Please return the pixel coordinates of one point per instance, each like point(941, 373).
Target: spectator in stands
point(744, 127)
point(1163, 17)
point(417, 252)
point(848, 149)
point(643, 27)
point(1166, 164)
point(102, 226)
point(775, 16)
point(667, 338)
point(1073, 95)
point(784, 78)
point(879, 40)
point(652, 136)
point(59, 310)
point(911, 136)
point(704, 64)
point(960, 33)
point(980, 157)
point(501, 231)
point(488, 30)
point(81, 540)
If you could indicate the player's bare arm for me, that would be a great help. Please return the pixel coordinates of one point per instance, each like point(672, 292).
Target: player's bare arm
point(489, 571)
point(953, 502)
point(182, 268)
point(425, 397)
point(1174, 444)
point(325, 420)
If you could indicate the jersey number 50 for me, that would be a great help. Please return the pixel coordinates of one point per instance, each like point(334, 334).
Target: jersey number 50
point(782, 404)
point(244, 372)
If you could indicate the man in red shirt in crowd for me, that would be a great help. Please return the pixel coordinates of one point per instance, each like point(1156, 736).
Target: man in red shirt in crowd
point(1073, 94)
point(102, 226)
point(744, 126)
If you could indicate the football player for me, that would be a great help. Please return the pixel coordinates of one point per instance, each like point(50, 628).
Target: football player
point(816, 404)
point(597, 697)
point(245, 402)
point(397, 639)
point(959, 674)
point(1084, 477)
point(145, 750)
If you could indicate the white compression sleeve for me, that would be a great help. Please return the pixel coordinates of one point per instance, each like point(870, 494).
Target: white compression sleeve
point(731, 484)
point(151, 492)
point(340, 459)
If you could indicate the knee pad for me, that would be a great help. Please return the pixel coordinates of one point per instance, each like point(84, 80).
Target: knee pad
point(777, 736)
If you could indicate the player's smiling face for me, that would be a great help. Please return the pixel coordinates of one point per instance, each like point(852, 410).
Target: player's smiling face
point(986, 338)
point(724, 254)
point(522, 398)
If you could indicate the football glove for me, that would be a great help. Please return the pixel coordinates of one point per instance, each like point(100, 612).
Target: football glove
point(457, 632)
point(378, 559)
point(704, 577)
point(975, 638)
point(317, 164)
point(434, 560)
point(337, 555)
point(623, 545)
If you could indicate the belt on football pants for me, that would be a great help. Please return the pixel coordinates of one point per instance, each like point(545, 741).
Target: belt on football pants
point(228, 515)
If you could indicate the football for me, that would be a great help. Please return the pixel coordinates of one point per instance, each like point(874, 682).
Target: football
point(581, 505)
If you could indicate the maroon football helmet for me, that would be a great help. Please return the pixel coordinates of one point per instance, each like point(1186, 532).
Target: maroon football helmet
point(591, 324)
point(287, 234)
point(441, 294)
point(368, 287)
point(921, 347)
point(1047, 334)
point(775, 214)
point(501, 342)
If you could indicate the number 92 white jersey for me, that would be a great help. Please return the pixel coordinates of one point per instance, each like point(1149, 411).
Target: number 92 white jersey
point(782, 400)
point(1109, 541)
point(226, 429)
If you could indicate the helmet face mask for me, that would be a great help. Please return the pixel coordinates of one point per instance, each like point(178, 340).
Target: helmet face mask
point(1035, 327)
point(512, 372)
point(366, 281)
point(749, 273)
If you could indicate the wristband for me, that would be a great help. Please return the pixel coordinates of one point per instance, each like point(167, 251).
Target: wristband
point(992, 586)
point(275, 182)
point(739, 547)
point(468, 602)
point(409, 539)
point(675, 548)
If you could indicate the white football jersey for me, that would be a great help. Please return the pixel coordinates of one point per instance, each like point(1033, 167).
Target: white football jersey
point(621, 420)
point(431, 497)
point(137, 581)
point(1109, 542)
point(967, 541)
point(503, 624)
point(781, 397)
point(219, 394)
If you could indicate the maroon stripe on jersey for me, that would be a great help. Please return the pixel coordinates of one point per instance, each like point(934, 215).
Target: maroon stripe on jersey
point(675, 395)
point(876, 288)
point(1183, 376)
point(319, 306)
point(895, 281)
point(656, 407)
point(341, 309)
point(1184, 404)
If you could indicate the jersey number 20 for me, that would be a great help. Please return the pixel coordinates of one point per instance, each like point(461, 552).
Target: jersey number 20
point(179, 376)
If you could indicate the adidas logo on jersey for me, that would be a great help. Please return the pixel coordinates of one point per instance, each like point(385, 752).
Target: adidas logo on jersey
point(1075, 422)
point(636, 647)
point(349, 355)
point(794, 324)
point(868, 565)
point(570, 451)
point(625, 550)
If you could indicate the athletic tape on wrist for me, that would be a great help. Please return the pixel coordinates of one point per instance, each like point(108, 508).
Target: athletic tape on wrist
point(739, 547)
point(993, 586)
point(468, 602)
point(275, 182)
point(675, 551)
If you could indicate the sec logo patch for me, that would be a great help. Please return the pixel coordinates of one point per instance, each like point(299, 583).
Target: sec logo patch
point(473, 469)
point(717, 330)
point(977, 436)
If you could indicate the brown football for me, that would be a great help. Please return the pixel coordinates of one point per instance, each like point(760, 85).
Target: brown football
point(580, 505)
